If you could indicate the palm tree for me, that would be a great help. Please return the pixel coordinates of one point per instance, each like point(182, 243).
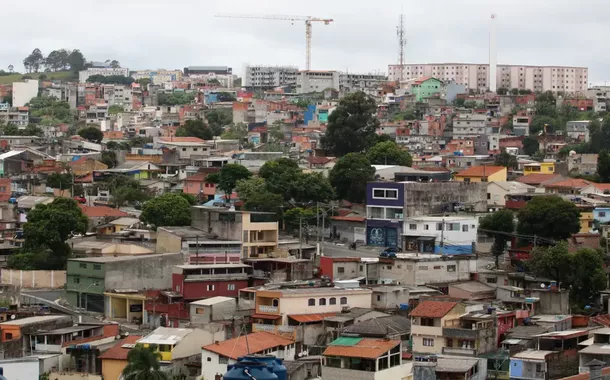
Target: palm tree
point(143, 364)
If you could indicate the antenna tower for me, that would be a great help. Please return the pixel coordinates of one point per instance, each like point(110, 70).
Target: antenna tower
point(402, 42)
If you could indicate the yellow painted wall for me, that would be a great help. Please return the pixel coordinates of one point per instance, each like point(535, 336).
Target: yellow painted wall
point(586, 217)
point(496, 177)
point(545, 168)
point(111, 369)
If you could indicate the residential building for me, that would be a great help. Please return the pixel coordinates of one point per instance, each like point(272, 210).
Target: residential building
point(582, 164)
point(537, 365)
point(498, 190)
point(451, 235)
point(539, 168)
point(196, 185)
point(470, 125)
point(597, 350)
point(24, 91)
point(114, 360)
point(97, 114)
point(364, 358)
point(213, 309)
point(316, 81)
point(270, 76)
point(217, 356)
point(52, 341)
point(471, 290)
point(472, 334)
point(382, 327)
point(104, 71)
point(201, 247)
point(87, 280)
point(188, 148)
point(521, 125)
point(482, 174)
point(572, 186)
point(257, 231)
point(476, 76)
point(195, 70)
point(578, 130)
point(174, 344)
point(19, 116)
point(195, 282)
point(450, 367)
point(425, 87)
point(600, 96)
point(159, 76)
point(15, 335)
point(369, 83)
point(428, 321)
point(384, 212)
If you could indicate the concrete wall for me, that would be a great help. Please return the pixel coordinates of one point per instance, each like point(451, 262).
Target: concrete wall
point(168, 242)
point(191, 344)
point(36, 279)
point(207, 220)
point(73, 376)
point(21, 369)
point(221, 311)
point(554, 303)
point(431, 198)
point(146, 272)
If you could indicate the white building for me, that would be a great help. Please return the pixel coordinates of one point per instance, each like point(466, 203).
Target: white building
point(476, 76)
point(447, 235)
point(469, 125)
point(188, 148)
point(24, 91)
point(105, 71)
point(118, 95)
point(215, 357)
point(159, 76)
point(361, 82)
point(600, 96)
point(578, 130)
point(497, 191)
point(317, 81)
point(270, 76)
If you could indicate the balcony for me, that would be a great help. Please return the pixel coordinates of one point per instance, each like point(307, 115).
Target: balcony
point(268, 309)
point(460, 333)
point(459, 351)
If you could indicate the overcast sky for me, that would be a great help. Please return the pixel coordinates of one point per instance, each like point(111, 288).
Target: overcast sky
point(173, 34)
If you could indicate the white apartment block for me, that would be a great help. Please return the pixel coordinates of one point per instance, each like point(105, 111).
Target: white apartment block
point(469, 125)
point(105, 71)
point(119, 95)
point(600, 96)
point(159, 76)
point(270, 76)
point(18, 116)
point(361, 82)
point(476, 76)
point(317, 81)
point(24, 91)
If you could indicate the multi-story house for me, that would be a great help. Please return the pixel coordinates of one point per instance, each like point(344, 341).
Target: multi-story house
point(270, 76)
point(428, 321)
point(424, 87)
point(482, 173)
point(597, 350)
point(578, 130)
point(97, 114)
point(257, 231)
point(24, 91)
point(196, 282)
point(521, 124)
point(539, 168)
point(473, 334)
point(104, 71)
point(317, 81)
point(384, 213)
point(364, 358)
point(188, 148)
point(18, 116)
point(470, 125)
point(451, 235)
point(200, 246)
point(368, 83)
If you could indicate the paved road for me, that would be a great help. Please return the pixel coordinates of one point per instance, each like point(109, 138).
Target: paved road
point(330, 249)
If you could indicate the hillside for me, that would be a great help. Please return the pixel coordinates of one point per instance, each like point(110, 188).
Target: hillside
point(60, 75)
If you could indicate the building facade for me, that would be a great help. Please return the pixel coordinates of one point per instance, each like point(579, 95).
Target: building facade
point(270, 76)
point(451, 235)
point(24, 91)
point(104, 71)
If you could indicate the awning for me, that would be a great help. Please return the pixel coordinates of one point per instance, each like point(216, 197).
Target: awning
point(426, 238)
point(305, 318)
point(266, 316)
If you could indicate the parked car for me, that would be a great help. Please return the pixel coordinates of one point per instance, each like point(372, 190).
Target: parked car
point(390, 252)
point(80, 199)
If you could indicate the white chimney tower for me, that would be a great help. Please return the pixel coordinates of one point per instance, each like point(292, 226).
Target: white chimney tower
point(493, 57)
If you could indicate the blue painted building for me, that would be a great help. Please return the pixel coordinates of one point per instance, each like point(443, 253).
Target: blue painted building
point(602, 214)
point(447, 235)
point(384, 213)
point(310, 114)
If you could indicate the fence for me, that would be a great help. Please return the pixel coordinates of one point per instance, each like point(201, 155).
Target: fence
point(34, 279)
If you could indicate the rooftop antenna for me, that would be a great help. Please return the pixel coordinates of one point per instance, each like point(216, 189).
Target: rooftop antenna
point(402, 42)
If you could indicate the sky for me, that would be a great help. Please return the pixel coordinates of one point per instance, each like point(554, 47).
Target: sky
point(150, 34)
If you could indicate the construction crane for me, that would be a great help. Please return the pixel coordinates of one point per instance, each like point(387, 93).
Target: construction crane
point(308, 26)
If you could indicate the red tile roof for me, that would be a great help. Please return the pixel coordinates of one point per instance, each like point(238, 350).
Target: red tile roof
point(480, 171)
point(117, 352)
point(538, 179)
point(433, 309)
point(366, 348)
point(101, 211)
point(601, 186)
point(349, 218)
point(257, 342)
point(573, 183)
point(181, 139)
point(305, 318)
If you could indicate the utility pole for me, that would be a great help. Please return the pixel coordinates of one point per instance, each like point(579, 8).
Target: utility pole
point(300, 237)
point(442, 236)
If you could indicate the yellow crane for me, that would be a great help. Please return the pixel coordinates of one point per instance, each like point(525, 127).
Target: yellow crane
point(308, 26)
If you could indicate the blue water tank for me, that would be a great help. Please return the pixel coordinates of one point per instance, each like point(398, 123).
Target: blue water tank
point(275, 365)
point(245, 370)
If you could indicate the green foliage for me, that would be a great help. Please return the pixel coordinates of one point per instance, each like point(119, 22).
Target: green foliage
point(51, 110)
point(275, 132)
point(91, 134)
point(112, 145)
point(277, 167)
point(506, 159)
point(59, 181)
point(297, 215)
point(143, 363)
point(502, 91)
point(189, 198)
point(76, 60)
point(237, 131)
point(470, 104)
point(127, 195)
point(549, 217)
point(256, 197)
point(58, 60)
point(350, 175)
point(167, 210)
point(311, 187)
point(539, 122)
point(459, 102)
point(388, 153)
point(144, 82)
point(530, 145)
point(227, 178)
point(175, 98)
point(218, 120)
point(351, 125)
point(109, 158)
point(34, 61)
point(111, 79)
point(195, 128)
point(405, 115)
point(499, 225)
point(603, 166)
point(113, 110)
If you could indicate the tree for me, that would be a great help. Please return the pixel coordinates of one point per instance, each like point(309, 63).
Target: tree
point(351, 125)
point(109, 158)
point(553, 262)
point(275, 132)
point(57, 60)
point(237, 131)
point(167, 210)
point(227, 178)
point(34, 61)
point(502, 91)
point(253, 192)
point(91, 134)
point(514, 91)
point(144, 82)
point(143, 363)
point(540, 121)
point(189, 198)
point(506, 159)
point(214, 82)
point(298, 216)
point(530, 145)
point(603, 166)
point(549, 217)
point(49, 226)
point(311, 187)
point(51, 110)
point(59, 181)
point(218, 119)
point(176, 98)
point(277, 167)
point(115, 64)
point(76, 61)
point(470, 104)
point(11, 68)
point(350, 175)
point(195, 128)
point(128, 194)
point(499, 225)
point(388, 153)
point(115, 109)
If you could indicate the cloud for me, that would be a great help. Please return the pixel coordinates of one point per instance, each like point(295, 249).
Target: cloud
point(173, 34)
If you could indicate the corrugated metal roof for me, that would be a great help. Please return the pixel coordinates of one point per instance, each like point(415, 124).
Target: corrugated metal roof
point(305, 318)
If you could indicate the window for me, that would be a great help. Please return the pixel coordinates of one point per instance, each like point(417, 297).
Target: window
point(439, 226)
point(602, 214)
point(451, 268)
point(184, 149)
point(97, 266)
point(76, 280)
point(428, 342)
point(332, 301)
point(437, 267)
point(210, 288)
point(426, 227)
point(423, 267)
point(465, 226)
point(8, 336)
point(230, 286)
point(82, 265)
point(491, 280)
point(322, 302)
point(223, 360)
point(311, 302)
point(343, 300)
point(361, 268)
point(385, 194)
point(412, 226)
point(378, 297)
point(199, 310)
point(209, 359)
point(340, 270)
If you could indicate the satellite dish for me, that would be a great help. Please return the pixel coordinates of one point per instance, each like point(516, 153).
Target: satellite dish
point(542, 285)
point(13, 316)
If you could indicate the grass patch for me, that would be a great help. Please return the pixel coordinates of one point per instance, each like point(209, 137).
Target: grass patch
point(60, 75)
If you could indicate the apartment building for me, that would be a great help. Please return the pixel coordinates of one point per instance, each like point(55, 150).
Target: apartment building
point(24, 91)
point(118, 95)
point(317, 81)
point(600, 96)
point(475, 77)
point(270, 76)
point(470, 125)
point(97, 114)
point(194, 70)
point(159, 76)
point(361, 82)
point(66, 92)
point(104, 71)
point(19, 116)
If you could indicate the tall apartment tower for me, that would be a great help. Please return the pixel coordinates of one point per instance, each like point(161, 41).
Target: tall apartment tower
point(493, 57)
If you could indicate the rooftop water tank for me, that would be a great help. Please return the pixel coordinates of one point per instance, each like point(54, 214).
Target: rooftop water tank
point(245, 370)
point(272, 362)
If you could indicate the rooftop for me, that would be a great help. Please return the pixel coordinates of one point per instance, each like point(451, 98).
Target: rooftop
point(118, 351)
point(539, 355)
point(473, 287)
point(101, 211)
point(256, 343)
point(433, 309)
point(391, 325)
point(480, 171)
point(36, 319)
point(165, 335)
point(212, 301)
point(537, 179)
point(111, 259)
point(360, 347)
point(455, 364)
